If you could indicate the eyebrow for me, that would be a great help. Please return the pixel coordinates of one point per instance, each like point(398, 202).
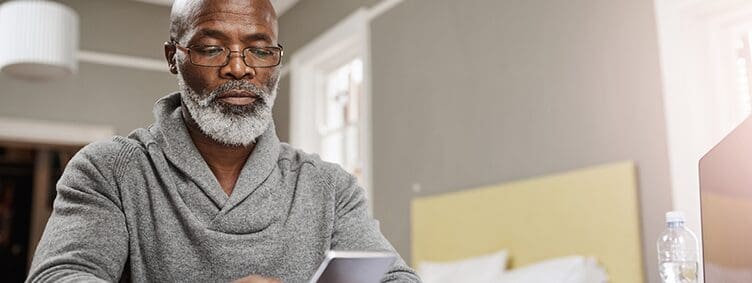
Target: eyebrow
point(211, 33)
point(258, 37)
point(221, 35)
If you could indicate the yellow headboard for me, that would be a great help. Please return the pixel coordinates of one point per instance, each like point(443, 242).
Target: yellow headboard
point(591, 212)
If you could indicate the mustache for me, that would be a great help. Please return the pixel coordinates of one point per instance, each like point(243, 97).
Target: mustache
point(262, 94)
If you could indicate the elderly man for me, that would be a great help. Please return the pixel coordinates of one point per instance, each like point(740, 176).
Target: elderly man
point(207, 193)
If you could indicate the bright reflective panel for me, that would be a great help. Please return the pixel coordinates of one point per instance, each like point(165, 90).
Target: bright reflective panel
point(726, 200)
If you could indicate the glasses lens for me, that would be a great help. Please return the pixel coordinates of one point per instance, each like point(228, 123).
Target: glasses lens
point(262, 57)
point(209, 55)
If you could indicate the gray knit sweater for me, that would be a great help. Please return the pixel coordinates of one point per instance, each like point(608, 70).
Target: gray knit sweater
point(147, 209)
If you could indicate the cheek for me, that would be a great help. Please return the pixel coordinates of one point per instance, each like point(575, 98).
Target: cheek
point(266, 76)
point(195, 77)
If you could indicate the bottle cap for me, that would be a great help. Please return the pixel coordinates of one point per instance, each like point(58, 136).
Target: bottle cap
point(674, 216)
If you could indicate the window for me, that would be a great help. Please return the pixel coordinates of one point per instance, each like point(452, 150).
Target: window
point(339, 118)
point(330, 102)
point(743, 65)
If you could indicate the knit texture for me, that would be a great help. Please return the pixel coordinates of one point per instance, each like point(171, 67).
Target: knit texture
point(147, 208)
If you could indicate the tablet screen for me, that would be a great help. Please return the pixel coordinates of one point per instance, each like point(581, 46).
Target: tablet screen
point(353, 267)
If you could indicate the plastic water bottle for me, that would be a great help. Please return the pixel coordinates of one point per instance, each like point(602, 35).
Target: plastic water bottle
point(677, 251)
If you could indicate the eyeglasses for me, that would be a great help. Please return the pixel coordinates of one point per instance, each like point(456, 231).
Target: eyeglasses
point(219, 56)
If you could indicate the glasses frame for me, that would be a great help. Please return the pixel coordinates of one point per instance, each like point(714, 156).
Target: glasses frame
point(187, 50)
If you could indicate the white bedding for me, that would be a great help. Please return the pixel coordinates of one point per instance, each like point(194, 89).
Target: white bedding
point(491, 269)
point(571, 269)
point(481, 269)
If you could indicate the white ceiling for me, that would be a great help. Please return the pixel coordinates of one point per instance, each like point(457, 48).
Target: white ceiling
point(280, 5)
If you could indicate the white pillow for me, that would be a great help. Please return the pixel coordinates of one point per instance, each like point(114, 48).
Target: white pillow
point(481, 269)
point(571, 269)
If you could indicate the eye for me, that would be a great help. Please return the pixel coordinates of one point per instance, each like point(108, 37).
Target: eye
point(261, 52)
point(208, 50)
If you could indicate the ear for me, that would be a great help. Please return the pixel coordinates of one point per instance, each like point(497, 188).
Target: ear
point(169, 51)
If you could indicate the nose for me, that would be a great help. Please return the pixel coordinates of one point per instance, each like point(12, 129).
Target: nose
point(236, 68)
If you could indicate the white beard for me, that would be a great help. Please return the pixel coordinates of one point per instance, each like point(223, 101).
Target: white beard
point(233, 125)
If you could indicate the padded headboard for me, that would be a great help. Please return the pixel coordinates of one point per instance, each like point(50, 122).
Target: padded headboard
point(591, 212)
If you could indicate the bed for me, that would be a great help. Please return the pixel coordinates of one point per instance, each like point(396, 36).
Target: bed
point(591, 212)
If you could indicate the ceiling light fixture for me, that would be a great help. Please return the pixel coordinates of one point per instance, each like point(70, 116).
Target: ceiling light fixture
point(40, 39)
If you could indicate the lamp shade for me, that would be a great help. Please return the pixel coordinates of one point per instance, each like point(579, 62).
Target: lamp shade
point(40, 39)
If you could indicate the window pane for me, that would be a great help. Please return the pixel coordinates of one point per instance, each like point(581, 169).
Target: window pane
point(332, 148)
point(334, 101)
point(743, 74)
point(353, 156)
point(355, 87)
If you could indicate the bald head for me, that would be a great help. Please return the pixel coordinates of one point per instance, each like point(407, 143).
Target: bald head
point(188, 13)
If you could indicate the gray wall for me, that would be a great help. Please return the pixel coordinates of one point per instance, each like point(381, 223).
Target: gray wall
point(470, 93)
point(99, 94)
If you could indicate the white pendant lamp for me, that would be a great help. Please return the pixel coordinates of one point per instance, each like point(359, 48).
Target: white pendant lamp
point(40, 39)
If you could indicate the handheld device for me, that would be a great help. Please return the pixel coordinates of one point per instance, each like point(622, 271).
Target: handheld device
point(353, 267)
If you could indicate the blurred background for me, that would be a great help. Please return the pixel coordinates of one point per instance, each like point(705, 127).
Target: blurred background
point(418, 98)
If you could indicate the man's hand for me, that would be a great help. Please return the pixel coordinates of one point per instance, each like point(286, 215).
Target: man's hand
point(257, 279)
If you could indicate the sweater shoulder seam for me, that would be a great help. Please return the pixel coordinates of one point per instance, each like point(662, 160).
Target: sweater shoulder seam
point(124, 157)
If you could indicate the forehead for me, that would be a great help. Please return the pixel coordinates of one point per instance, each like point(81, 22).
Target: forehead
point(232, 17)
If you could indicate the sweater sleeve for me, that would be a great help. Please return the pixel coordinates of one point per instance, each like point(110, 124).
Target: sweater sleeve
point(354, 229)
point(85, 239)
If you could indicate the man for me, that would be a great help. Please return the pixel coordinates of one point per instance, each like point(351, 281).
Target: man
point(207, 193)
